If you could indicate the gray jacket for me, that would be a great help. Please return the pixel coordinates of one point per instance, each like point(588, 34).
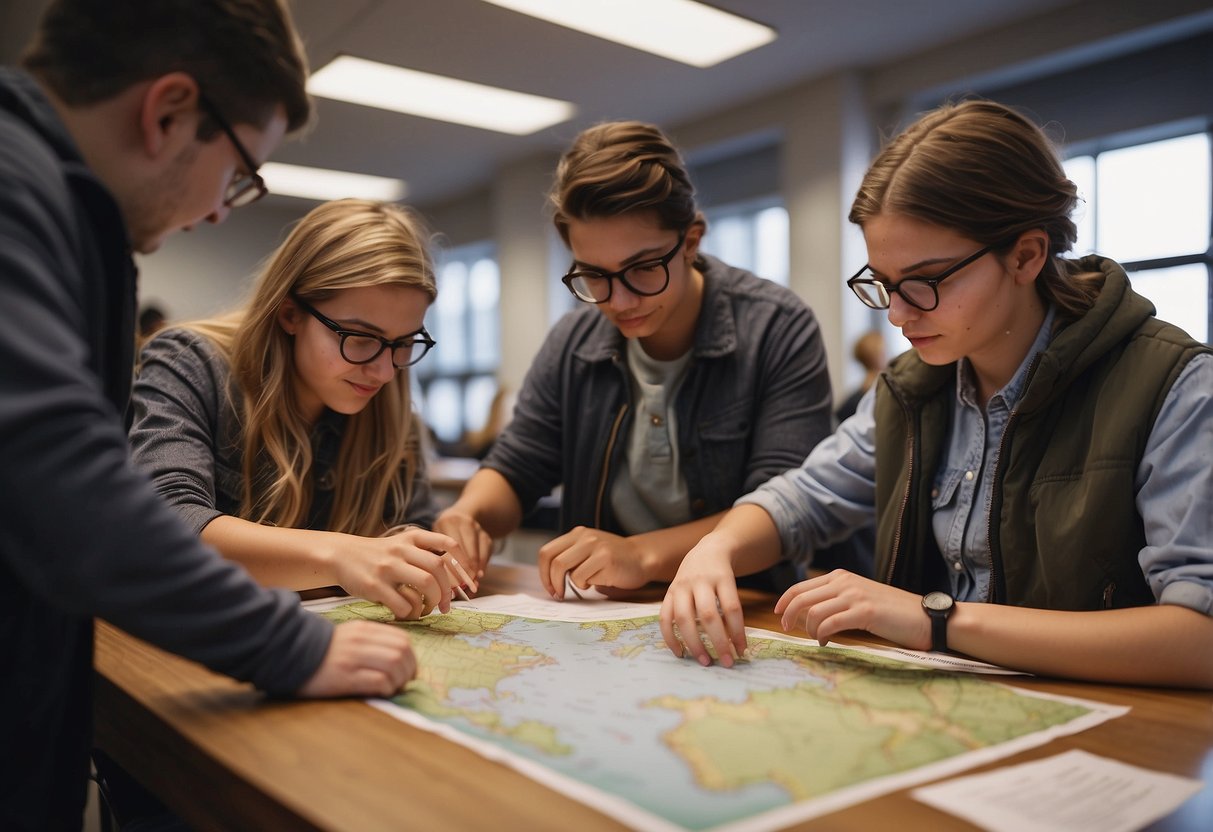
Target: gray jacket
point(186, 435)
point(82, 533)
point(755, 400)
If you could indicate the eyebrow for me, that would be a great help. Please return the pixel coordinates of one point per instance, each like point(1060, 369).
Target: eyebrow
point(358, 322)
point(639, 257)
point(371, 329)
point(909, 270)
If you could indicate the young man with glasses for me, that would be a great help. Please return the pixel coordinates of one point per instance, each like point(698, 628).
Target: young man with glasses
point(107, 145)
point(681, 383)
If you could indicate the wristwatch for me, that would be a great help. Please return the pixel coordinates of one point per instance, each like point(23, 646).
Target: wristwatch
point(939, 606)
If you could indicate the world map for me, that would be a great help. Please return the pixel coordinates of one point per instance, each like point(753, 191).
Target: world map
point(665, 744)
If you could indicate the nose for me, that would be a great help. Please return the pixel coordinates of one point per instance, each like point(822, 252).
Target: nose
point(218, 215)
point(900, 312)
point(381, 369)
point(622, 298)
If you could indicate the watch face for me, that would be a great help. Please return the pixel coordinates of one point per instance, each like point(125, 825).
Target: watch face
point(937, 601)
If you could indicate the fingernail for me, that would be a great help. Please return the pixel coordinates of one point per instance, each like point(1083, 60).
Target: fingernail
point(705, 660)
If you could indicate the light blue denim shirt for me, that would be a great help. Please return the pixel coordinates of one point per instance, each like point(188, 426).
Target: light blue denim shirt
point(834, 490)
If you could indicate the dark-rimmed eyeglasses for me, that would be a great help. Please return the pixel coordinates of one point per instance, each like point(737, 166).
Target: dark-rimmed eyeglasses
point(920, 292)
point(246, 187)
point(364, 347)
point(647, 278)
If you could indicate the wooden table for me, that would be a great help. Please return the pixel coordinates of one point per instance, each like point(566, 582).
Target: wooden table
point(225, 758)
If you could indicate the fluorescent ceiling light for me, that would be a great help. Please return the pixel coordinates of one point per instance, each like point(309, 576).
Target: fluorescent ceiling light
point(432, 96)
point(321, 184)
point(681, 30)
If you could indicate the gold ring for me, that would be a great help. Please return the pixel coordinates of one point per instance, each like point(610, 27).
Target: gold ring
point(415, 589)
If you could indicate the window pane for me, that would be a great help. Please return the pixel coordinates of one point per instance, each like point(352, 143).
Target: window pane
point(1081, 171)
point(477, 397)
point(728, 238)
point(1180, 294)
point(1153, 199)
point(484, 291)
point(449, 310)
point(443, 409)
point(771, 244)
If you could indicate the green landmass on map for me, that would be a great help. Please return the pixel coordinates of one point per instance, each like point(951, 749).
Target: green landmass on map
point(862, 717)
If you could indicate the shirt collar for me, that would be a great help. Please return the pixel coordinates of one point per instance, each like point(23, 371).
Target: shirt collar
point(966, 382)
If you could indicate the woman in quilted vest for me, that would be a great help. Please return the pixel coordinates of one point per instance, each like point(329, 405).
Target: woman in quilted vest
point(1031, 466)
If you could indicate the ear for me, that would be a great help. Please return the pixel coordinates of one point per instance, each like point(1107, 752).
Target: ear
point(169, 115)
point(288, 316)
point(694, 235)
point(1028, 256)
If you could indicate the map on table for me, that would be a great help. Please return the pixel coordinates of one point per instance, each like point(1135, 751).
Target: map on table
point(602, 711)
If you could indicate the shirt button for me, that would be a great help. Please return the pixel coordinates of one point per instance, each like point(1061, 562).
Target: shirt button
point(969, 475)
point(958, 566)
point(657, 421)
point(934, 493)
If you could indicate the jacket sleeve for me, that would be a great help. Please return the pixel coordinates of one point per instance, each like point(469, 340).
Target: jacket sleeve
point(529, 451)
point(80, 528)
point(176, 402)
point(795, 407)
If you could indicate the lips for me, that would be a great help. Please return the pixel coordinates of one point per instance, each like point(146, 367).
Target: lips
point(364, 390)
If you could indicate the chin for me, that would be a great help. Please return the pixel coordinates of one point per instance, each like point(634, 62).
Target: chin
point(147, 246)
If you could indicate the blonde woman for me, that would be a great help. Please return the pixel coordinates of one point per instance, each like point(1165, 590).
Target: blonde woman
point(283, 432)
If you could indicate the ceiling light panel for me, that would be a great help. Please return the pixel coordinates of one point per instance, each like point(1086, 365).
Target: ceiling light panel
point(681, 30)
point(373, 84)
point(322, 184)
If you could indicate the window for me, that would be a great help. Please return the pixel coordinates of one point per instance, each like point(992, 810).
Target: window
point(1150, 207)
point(751, 236)
point(457, 381)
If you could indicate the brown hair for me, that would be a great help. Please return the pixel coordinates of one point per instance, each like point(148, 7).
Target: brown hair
point(245, 54)
point(989, 173)
point(621, 166)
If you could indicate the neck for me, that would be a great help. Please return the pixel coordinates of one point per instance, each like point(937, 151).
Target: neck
point(996, 365)
point(678, 333)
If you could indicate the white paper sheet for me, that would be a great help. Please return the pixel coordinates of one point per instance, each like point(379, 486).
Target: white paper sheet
point(1070, 792)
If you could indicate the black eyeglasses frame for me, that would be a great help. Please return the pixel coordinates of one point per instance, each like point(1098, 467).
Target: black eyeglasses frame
point(663, 261)
point(885, 290)
point(250, 187)
point(411, 340)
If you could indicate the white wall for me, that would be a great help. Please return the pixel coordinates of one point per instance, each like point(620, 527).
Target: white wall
point(207, 270)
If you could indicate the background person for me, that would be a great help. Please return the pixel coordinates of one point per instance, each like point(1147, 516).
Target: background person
point(679, 385)
point(283, 432)
point(869, 351)
point(133, 120)
point(1029, 464)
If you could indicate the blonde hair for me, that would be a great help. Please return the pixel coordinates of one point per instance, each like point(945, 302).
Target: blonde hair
point(989, 173)
point(338, 245)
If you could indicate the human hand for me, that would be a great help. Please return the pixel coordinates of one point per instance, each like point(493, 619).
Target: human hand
point(474, 542)
point(841, 600)
point(401, 571)
point(591, 557)
point(703, 596)
point(363, 659)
